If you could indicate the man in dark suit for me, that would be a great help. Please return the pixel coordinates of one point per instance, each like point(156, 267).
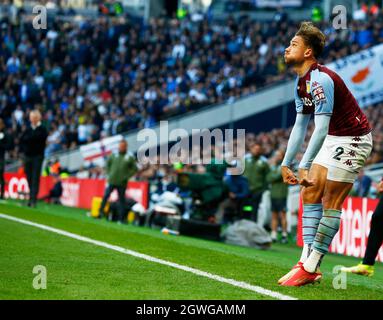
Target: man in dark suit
point(5, 145)
point(33, 142)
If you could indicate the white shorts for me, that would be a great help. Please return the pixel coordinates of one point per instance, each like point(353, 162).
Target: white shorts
point(344, 156)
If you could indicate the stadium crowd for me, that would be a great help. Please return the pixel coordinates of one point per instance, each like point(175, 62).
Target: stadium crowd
point(93, 79)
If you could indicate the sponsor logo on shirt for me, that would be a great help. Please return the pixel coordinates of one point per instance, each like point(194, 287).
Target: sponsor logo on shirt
point(307, 102)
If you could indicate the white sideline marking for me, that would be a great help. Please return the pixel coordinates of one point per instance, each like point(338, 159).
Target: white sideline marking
point(235, 283)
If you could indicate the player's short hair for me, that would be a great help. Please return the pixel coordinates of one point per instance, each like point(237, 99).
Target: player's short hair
point(313, 37)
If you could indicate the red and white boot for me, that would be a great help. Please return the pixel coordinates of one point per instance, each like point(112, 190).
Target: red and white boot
point(301, 277)
point(290, 273)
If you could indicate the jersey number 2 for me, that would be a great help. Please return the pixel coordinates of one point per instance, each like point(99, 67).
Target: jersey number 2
point(339, 151)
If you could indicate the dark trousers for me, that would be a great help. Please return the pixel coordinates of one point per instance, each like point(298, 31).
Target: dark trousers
point(375, 238)
point(33, 170)
point(2, 180)
point(255, 200)
point(231, 210)
point(53, 196)
point(121, 200)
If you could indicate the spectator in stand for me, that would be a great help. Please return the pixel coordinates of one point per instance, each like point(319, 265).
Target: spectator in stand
point(5, 145)
point(231, 208)
point(362, 185)
point(278, 195)
point(256, 171)
point(97, 77)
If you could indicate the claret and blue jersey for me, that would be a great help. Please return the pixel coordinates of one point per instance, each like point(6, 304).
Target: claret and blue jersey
point(322, 91)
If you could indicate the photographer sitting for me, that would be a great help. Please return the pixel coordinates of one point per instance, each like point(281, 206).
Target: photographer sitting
point(56, 192)
point(231, 207)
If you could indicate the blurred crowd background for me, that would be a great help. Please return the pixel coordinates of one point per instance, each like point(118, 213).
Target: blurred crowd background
point(96, 78)
point(93, 78)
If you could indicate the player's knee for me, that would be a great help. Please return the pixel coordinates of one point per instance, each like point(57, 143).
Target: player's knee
point(330, 201)
point(311, 195)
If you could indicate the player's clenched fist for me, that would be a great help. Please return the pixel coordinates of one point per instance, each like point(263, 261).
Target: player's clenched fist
point(288, 176)
point(304, 178)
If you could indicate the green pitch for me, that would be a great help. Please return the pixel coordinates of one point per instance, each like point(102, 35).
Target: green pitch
point(78, 270)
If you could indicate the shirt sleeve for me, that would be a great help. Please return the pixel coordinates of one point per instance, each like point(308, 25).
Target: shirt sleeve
point(298, 101)
point(322, 92)
point(109, 164)
point(322, 122)
point(297, 138)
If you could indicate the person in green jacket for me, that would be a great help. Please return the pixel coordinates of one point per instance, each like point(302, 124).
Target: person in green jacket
point(278, 194)
point(256, 170)
point(119, 169)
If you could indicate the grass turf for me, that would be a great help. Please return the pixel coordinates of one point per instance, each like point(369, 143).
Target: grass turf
point(77, 270)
